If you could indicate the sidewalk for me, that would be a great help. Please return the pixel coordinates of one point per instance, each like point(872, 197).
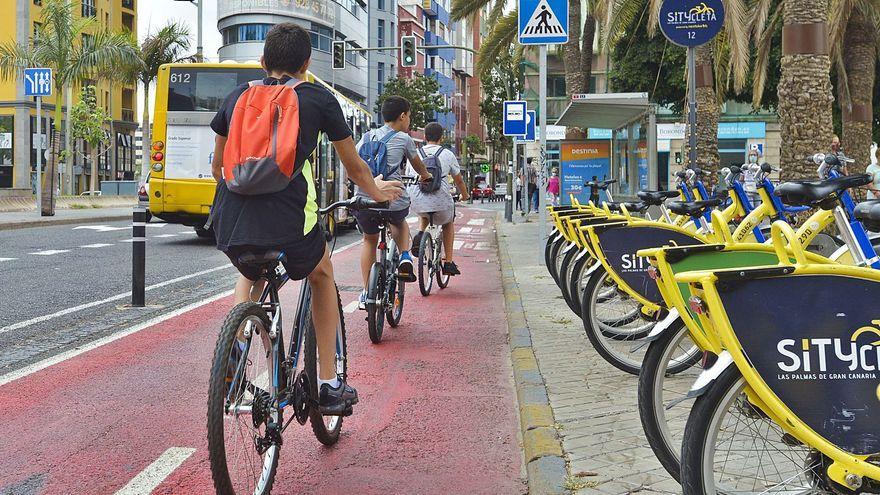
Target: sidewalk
point(25, 219)
point(594, 405)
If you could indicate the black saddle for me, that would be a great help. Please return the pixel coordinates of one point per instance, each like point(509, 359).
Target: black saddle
point(692, 208)
point(656, 198)
point(631, 207)
point(262, 259)
point(821, 193)
point(868, 212)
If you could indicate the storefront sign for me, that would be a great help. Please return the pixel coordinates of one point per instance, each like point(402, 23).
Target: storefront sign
point(579, 163)
point(5, 140)
point(726, 130)
point(593, 133)
point(320, 10)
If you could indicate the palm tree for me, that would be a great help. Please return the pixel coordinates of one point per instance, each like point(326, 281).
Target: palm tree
point(168, 45)
point(76, 48)
point(720, 64)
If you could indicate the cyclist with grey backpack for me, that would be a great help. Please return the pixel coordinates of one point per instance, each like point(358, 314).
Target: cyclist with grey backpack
point(435, 196)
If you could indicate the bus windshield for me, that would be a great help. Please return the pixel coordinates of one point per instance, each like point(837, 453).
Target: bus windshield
point(204, 89)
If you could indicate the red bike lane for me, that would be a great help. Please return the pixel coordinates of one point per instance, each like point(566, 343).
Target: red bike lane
point(437, 412)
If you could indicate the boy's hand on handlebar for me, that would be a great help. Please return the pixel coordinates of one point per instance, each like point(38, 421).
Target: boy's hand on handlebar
point(389, 190)
point(427, 177)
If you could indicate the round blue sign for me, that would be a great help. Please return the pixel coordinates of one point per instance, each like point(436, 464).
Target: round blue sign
point(691, 23)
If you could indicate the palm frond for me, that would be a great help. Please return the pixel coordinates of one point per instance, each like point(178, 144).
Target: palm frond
point(737, 39)
point(839, 12)
point(760, 12)
point(762, 57)
point(653, 16)
point(466, 8)
point(621, 15)
point(101, 53)
point(496, 12)
point(14, 58)
point(499, 39)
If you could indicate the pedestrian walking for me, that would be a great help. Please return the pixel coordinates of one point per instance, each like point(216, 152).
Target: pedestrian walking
point(553, 188)
point(874, 170)
point(750, 178)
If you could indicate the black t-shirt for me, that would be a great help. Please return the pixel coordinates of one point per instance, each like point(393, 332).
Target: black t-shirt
point(287, 216)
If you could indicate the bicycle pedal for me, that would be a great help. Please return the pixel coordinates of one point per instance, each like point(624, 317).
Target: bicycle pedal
point(348, 411)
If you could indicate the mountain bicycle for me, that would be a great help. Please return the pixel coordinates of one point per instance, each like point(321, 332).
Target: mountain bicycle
point(385, 291)
point(248, 394)
point(431, 253)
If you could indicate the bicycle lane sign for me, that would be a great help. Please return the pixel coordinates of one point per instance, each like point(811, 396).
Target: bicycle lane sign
point(543, 22)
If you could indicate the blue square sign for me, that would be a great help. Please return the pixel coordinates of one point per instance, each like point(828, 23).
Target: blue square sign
point(529, 136)
point(515, 115)
point(543, 22)
point(38, 82)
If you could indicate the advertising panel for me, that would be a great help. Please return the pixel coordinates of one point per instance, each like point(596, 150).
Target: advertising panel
point(189, 150)
point(642, 163)
point(579, 162)
point(323, 11)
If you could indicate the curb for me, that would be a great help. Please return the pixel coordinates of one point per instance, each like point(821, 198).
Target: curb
point(542, 447)
point(61, 221)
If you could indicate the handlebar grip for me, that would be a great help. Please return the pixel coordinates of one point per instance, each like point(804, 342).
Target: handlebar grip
point(362, 203)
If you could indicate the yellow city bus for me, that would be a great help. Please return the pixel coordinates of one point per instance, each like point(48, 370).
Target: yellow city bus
point(181, 187)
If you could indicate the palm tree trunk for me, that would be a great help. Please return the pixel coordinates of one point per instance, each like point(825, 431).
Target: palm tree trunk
point(589, 35)
point(804, 89)
point(859, 61)
point(145, 134)
point(708, 112)
point(571, 54)
point(47, 203)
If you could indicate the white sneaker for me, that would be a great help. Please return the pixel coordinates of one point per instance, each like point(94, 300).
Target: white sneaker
point(362, 302)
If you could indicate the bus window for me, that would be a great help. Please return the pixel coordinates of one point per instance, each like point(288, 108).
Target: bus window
point(204, 89)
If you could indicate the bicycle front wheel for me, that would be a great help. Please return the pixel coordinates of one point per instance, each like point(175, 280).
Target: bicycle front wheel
point(243, 455)
point(426, 264)
point(376, 304)
point(326, 428)
point(396, 295)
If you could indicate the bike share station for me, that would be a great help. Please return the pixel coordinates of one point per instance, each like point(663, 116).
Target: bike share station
point(754, 375)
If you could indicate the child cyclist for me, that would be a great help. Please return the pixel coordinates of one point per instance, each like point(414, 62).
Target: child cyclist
point(399, 147)
point(286, 218)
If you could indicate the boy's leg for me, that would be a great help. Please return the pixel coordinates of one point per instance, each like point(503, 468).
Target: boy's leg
point(325, 315)
point(400, 233)
point(248, 290)
point(448, 240)
point(368, 256)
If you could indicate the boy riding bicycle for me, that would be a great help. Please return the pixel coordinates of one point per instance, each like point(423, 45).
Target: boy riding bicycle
point(286, 218)
point(396, 147)
point(438, 202)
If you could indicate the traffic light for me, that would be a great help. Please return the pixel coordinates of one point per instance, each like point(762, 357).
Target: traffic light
point(678, 157)
point(338, 54)
point(408, 51)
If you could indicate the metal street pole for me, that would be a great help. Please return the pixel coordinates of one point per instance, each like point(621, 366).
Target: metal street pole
point(511, 192)
point(39, 152)
point(542, 173)
point(199, 29)
point(692, 106)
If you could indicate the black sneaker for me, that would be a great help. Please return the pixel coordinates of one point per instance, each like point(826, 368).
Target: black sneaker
point(336, 401)
point(450, 268)
point(416, 242)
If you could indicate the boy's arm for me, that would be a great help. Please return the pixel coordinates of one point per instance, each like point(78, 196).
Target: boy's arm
point(461, 186)
point(415, 160)
point(359, 173)
point(217, 162)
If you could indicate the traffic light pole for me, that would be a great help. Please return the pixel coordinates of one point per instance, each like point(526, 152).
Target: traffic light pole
point(384, 48)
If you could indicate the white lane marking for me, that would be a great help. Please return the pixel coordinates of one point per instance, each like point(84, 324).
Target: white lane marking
point(100, 228)
point(127, 240)
point(8, 259)
point(477, 221)
point(467, 245)
point(64, 356)
point(166, 235)
point(154, 474)
point(482, 246)
point(50, 252)
point(40, 319)
point(156, 225)
point(95, 246)
point(351, 307)
point(465, 230)
point(193, 232)
point(456, 245)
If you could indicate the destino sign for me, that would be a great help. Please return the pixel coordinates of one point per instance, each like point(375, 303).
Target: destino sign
point(691, 23)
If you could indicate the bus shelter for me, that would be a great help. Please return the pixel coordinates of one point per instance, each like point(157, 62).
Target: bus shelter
point(621, 144)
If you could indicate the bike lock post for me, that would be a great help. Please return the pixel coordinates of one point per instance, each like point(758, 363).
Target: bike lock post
point(138, 255)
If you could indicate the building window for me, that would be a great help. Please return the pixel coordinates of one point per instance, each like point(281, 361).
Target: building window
point(380, 34)
point(88, 8)
point(86, 40)
point(6, 134)
point(37, 27)
point(556, 86)
point(38, 2)
point(128, 4)
point(380, 4)
point(392, 34)
point(380, 75)
point(245, 32)
point(321, 37)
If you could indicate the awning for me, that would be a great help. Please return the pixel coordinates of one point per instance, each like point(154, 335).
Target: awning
point(604, 111)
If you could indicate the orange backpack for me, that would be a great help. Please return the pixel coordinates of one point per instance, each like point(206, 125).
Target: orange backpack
point(260, 152)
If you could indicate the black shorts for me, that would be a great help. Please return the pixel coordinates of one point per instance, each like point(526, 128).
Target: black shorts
point(302, 256)
point(369, 220)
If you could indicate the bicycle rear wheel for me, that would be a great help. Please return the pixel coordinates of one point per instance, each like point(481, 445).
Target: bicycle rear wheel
point(396, 296)
point(426, 264)
point(240, 408)
point(376, 304)
point(326, 428)
point(442, 278)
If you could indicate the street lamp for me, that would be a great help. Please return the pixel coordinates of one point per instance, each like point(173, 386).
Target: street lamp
point(198, 4)
point(458, 117)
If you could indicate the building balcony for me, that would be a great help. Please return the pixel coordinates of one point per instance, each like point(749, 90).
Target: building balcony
point(447, 54)
point(446, 120)
point(447, 85)
point(433, 10)
point(128, 115)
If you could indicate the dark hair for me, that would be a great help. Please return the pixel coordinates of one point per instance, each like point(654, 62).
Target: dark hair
point(393, 107)
point(434, 132)
point(287, 48)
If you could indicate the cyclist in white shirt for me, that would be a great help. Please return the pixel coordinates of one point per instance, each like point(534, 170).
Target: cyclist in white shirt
point(439, 202)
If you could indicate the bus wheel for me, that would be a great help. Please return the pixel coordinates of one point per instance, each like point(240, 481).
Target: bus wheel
point(203, 233)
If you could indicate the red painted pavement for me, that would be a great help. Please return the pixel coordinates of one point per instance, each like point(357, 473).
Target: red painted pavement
point(437, 411)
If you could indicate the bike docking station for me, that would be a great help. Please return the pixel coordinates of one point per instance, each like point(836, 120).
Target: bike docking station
point(541, 22)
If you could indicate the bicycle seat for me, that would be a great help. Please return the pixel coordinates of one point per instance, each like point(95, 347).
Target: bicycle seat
point(631, 207)
point(265, 258)
point(868, 212)
point(693, 208)
point(816, 192)
point(656, 198)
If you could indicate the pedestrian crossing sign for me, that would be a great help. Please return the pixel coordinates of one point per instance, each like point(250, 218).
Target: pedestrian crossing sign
point(543, 22)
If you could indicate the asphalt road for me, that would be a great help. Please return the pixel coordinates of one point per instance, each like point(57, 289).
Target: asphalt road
point(49, 270)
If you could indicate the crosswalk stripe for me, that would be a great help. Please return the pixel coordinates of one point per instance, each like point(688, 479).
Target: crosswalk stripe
point(95, 246)
point(8, 259)
point(166, 235)
point(50, 252)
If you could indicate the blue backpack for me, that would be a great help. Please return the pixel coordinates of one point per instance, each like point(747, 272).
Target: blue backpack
point(375, 153)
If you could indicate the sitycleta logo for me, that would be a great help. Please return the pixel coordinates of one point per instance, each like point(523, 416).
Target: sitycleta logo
point(811, 359)
point(632, 263)
point(698, 14)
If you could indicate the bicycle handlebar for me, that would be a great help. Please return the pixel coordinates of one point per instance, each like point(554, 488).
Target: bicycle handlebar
point(355, 204)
